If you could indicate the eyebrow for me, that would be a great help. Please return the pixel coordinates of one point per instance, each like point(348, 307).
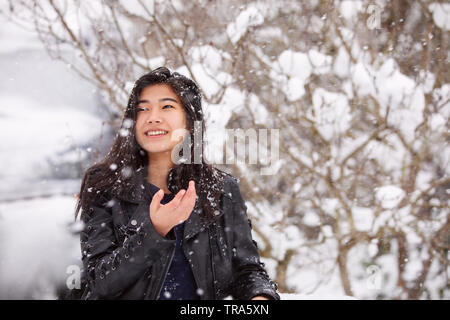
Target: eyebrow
point(160, 100)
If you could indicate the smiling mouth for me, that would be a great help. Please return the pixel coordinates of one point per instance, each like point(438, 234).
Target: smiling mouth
point(153, 134)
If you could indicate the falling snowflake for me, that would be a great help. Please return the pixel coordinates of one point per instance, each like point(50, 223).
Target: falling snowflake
point(124, 132)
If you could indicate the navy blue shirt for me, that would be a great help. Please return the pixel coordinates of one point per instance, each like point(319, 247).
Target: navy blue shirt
point(180, 282)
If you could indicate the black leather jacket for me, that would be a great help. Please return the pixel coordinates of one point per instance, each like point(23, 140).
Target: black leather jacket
point(125, 258)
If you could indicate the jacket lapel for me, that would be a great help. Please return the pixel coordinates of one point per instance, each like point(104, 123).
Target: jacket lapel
point(195, 223)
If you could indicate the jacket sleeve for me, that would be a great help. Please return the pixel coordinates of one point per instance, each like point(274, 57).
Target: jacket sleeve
point(250, 279)
point(109, 266)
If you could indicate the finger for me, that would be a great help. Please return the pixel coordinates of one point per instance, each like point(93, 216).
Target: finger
point(191, 189)
point(189, 193)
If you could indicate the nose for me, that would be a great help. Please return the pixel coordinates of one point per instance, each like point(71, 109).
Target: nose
point(154, 116)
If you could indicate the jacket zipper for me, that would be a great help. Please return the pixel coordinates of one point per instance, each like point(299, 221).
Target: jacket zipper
point(193, 273)
point(212, 264)
point(166, 270)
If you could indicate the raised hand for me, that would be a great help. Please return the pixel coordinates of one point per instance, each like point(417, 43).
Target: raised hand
point(165, 216)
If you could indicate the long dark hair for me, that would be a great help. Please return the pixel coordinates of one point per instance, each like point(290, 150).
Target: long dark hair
point(114, 175)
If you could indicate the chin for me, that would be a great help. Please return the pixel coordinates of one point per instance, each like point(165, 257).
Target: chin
point(157, 150)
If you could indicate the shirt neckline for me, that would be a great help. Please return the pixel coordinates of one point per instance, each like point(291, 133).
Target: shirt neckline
point(154, 189)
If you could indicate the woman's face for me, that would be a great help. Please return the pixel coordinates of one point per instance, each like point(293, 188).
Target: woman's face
point(159, 108)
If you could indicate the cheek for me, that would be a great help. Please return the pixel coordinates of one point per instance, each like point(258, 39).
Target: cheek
point(138, 129)
point(178, 121)
point(178, 128)
point(184, 120)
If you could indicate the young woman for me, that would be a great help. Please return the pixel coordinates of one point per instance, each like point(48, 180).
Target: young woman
point(157, 223)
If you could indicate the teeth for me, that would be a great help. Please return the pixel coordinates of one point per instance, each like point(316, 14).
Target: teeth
point(155, 133)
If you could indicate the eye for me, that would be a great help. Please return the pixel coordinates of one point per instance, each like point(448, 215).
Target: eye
point(167, 105)
point(141, 109)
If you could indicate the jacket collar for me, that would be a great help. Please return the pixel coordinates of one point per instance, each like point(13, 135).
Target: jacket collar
point(142, 191)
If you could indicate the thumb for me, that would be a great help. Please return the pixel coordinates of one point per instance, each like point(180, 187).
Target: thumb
point(156, 200)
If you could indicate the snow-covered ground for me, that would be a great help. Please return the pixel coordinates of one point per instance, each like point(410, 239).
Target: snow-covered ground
point(36, 247)
point(316, 296)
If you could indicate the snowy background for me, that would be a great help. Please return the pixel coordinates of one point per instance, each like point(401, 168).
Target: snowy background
point(329, 105)
point(48, 116)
